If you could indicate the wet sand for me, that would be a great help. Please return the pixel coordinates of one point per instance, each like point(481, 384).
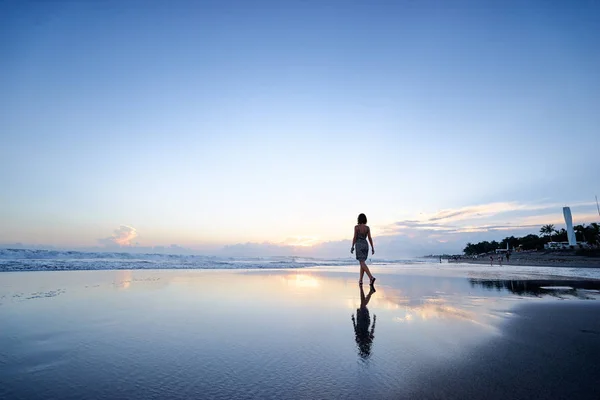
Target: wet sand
point(538, 259)
point(548, 351)
point(307, 333)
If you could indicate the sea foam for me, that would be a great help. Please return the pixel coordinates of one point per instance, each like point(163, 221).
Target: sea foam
point(56, 260)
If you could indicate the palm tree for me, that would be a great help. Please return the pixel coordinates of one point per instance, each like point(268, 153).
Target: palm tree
point(595, 228)
point(562, 232)
point(580, 229)
point(547, 230)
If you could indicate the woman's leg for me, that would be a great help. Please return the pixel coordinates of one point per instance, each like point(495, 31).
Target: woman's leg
point(364, 268)
point(362, 273)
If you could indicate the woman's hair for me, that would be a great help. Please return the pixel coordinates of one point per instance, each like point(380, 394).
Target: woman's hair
point(362, 219)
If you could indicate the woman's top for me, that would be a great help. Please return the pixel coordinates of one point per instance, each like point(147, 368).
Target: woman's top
point(361, 236)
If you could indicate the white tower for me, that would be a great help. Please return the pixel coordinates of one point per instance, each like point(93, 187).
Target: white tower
point(569, 222)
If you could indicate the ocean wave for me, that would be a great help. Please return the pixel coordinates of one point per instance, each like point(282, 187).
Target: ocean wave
point(56, 260)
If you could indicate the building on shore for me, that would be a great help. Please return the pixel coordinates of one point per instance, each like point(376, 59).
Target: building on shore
point(557, 246)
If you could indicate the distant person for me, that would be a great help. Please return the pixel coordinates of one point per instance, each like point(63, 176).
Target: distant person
point(362, 334)
point(440, 259)
point(491, 261)
point(361, 233)
point(508, 256)
point(500, 258)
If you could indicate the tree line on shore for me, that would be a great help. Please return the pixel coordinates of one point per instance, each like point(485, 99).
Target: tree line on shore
point(589, 234)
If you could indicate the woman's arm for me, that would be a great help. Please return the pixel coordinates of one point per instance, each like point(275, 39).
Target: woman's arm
point(353, 240)
point(370, 240)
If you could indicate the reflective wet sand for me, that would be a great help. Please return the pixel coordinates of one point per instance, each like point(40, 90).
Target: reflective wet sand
point(307, 333)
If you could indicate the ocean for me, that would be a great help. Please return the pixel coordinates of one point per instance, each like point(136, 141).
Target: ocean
point(56, 260)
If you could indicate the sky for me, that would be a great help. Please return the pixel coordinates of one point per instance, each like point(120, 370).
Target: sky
point(267, 126)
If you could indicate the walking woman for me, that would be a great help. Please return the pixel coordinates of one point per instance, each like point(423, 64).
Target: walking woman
point(361, 233)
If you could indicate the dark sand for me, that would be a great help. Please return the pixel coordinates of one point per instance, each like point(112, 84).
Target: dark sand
point(549, 351)
point(298, 334)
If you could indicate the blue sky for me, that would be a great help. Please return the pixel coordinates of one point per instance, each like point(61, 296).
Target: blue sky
point(212, 123)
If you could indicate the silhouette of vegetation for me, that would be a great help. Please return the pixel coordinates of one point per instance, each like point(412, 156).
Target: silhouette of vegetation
point(547, 230)
point(481, 247)
point(589, 234)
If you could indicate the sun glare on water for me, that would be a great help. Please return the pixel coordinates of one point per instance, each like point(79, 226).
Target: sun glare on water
point(302, 281)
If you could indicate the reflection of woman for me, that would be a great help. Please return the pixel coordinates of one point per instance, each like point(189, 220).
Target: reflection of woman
point(364, 337)
point(361, 233)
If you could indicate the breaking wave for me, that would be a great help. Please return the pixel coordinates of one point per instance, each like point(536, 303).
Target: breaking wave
point(54, 260)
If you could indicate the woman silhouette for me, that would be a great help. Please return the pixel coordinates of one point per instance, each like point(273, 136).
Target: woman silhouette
point(361, 233)
point(363, 336)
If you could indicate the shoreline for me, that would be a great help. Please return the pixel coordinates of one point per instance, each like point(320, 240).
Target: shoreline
point(530, 263)
point(534, 259)
point(544, 264)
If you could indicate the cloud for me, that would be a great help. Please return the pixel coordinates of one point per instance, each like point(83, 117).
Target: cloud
point(500, 216)
point(302, 241)
point(445, 231)
point(484, 210)
point(449, 229)
point(387, 247)
point(121, 237)
point(491, 209)
point(557, 218)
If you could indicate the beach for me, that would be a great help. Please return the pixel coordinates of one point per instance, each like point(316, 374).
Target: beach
point(424, 332)
point(532, 259)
